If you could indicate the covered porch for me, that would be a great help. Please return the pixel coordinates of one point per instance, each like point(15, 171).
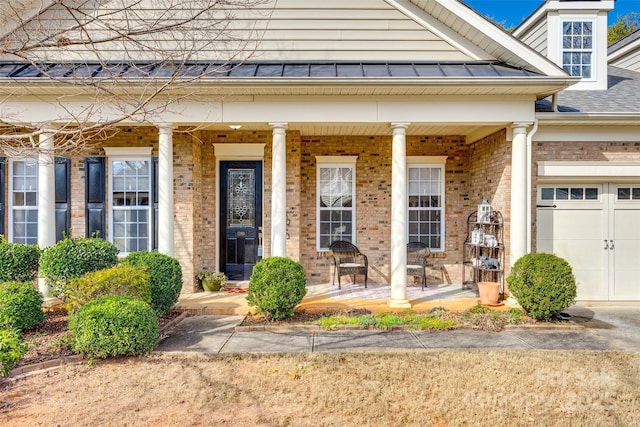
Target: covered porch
point(323, 297)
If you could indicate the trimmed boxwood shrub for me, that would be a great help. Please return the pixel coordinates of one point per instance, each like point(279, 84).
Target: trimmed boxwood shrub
point(543, 284)
point(20, 305)
point(11, 350)
point(121, 280)
point(277, 285)
point(18, 262)
point(114, 325)
point(74, 257)
point(165, 276)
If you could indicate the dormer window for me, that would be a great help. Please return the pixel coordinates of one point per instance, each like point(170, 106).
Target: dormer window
point(577, 48)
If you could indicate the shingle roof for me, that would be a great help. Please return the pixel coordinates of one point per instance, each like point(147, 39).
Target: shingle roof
point(622, 96)
point(270, 70)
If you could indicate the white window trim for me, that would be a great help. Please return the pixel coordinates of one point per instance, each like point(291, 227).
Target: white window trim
point(594, 37)
point(337, 162)
point(9, 203)
point(131, 154)
point(431, 162)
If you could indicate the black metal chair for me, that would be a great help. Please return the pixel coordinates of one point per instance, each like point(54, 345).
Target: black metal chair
point(417, 254)
point(348, 260)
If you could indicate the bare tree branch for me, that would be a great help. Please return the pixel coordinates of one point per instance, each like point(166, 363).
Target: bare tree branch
point(97, 64)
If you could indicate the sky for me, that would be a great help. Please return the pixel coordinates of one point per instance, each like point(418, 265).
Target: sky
point(514, 11)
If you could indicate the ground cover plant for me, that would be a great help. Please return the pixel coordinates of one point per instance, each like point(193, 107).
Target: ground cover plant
point(478, 317)
point(426, 388)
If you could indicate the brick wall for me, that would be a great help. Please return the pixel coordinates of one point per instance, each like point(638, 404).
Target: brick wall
point(490, 178)
point(373, 199)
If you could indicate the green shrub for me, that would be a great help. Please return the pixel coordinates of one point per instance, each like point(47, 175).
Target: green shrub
point(121, 280)
point(11, 350)
point(20, 305)
point(277, 285)
point(114, 325)
point(543, 284)
point(74, 257)
point(18, 263)
point(165, 276)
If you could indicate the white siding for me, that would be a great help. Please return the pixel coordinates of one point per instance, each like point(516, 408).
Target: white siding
point(631, 61)
point(328, 30)
point(536, 37)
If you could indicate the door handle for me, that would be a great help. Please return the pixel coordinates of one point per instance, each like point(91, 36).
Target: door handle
point(606, 245)
point(611, 245)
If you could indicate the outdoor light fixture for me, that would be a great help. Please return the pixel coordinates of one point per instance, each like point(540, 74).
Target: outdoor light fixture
point(235, 127)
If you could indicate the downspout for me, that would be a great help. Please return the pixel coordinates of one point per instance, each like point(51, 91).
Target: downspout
point(530, 135)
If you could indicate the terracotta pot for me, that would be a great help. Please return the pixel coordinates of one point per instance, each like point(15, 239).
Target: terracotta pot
point(489, 292)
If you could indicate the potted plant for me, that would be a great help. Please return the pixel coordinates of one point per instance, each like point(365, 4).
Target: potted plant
point(211, 281)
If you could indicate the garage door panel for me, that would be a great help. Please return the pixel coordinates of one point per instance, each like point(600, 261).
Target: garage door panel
point(626, 280)
point(588, 262)
point(572, 224)
point(627, 224)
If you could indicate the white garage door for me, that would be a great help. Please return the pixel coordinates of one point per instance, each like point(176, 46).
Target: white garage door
point(596, 228)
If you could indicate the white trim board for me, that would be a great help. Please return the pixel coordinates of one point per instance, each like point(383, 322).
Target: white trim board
point(588, 169)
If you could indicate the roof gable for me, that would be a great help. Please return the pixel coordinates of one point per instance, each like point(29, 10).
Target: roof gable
point(312, 30)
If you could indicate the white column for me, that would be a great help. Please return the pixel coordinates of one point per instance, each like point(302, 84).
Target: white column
point(165, 190)
point(518, 218)
point(46, 200)
point(279, 190)
point(399, 217)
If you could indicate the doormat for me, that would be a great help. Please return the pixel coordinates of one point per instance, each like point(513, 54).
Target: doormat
point(237, 290)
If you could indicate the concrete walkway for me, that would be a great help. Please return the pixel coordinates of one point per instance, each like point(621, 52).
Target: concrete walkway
point(598, 328)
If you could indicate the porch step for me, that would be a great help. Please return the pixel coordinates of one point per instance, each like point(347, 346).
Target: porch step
point(243, 284)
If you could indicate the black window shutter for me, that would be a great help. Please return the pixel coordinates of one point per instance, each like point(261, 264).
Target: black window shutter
point(2, 189)
point(95, 196)
point(63, 197)
point(154, 187)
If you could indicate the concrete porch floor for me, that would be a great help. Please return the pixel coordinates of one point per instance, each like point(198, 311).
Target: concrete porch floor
point(322, 297)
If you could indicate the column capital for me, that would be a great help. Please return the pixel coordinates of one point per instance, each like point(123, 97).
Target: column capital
point(279, 126)
point(399, 126)
point(520, 127)
point(165, 127)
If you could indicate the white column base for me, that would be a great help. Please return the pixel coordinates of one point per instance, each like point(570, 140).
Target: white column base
point(44, 288)
point(399, 303)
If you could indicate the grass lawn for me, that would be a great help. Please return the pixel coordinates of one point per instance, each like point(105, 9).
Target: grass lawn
point(433, 388)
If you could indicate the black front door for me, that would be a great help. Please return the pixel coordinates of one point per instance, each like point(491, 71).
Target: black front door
point(240, 217)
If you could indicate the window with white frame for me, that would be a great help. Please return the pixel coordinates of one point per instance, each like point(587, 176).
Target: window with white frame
point(130, 200)
point(426, 204)
point(23, 201)
point(335, 200)
point(577, 48)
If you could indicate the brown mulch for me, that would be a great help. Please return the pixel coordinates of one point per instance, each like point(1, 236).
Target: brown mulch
point(49, 340)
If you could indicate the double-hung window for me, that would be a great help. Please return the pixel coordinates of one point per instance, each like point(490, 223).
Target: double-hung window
point(577, 48)
point(130, 194)
point(426, 201)
point(23, 201)
point(335, 200)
